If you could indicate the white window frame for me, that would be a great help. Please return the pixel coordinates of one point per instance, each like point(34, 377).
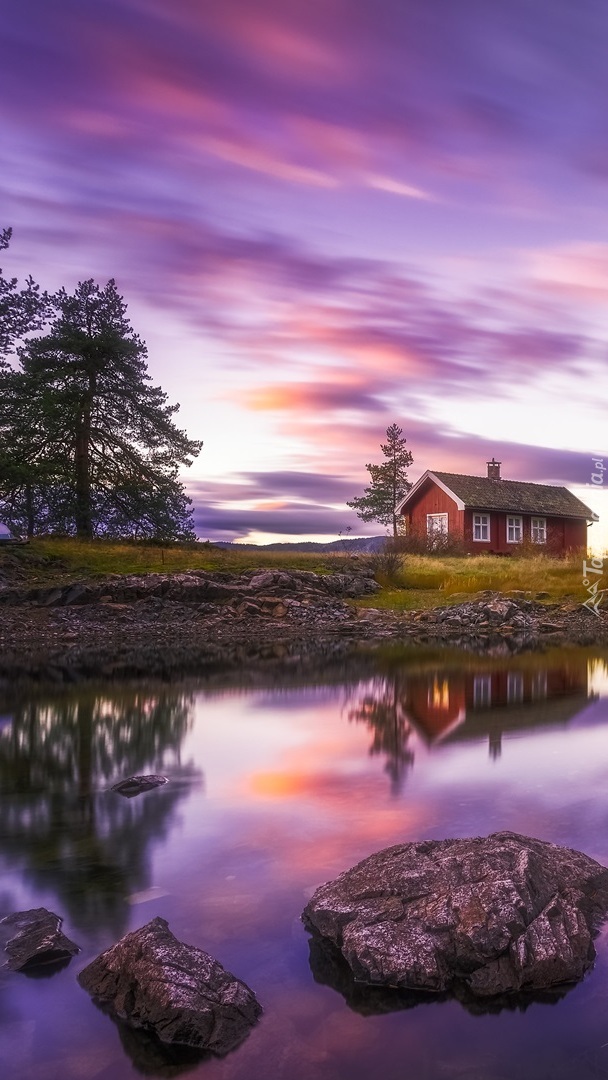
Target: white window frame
point(431, 528)
point(515, 523)
point(482, 691)
point(539, 685)
point(515, 686)
point(540, 525)
point(481, 522)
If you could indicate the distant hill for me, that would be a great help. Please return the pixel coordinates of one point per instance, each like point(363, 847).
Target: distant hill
point(350, 544)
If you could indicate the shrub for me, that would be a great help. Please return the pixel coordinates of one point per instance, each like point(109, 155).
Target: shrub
point(418, 542)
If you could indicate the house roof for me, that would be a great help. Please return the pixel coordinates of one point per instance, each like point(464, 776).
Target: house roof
point(480, 493)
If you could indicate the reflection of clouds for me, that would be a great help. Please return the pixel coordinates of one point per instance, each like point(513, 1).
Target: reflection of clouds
point(292, 799)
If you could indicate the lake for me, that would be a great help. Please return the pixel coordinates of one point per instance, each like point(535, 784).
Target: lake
point(277, 784)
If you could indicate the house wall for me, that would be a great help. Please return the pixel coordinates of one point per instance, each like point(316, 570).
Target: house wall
point(563, 534)
point(575, 535)
point(432, 500)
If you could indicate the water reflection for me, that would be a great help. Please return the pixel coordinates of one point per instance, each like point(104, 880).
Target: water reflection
point(329, 968)
point(299, 766)
point(70, 835)
point(151, 1057)
point(440, 703)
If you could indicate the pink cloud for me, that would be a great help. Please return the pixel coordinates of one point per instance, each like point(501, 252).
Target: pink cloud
point(578, 272)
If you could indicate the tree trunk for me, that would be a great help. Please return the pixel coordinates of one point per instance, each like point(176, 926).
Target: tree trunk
point(29, 511)
point(82, 465)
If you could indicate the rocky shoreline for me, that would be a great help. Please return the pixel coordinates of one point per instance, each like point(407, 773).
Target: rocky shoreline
point(168, 625)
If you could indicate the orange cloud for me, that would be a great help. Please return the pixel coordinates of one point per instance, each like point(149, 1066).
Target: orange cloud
point(323, 393)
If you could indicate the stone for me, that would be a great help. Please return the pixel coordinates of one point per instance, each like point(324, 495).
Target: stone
point(263, 581)
point(160, 985)
point(51, 597)
point(494, 915)
point(135, 785)
point(76, 594)
point(35, 939)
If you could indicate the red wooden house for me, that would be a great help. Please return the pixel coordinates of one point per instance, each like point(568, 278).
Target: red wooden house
point(486, 513)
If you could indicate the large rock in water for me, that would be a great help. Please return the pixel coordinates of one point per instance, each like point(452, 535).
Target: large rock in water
point(34, 938)
point(497, 914)
point(152, 981)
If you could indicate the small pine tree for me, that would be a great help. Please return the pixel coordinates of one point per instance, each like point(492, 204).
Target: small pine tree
point(389, 483)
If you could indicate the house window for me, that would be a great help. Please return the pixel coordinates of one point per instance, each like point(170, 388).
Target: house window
point(439, 694)
point(538, 530)
point(539, 684)
point(515, 686)
point(482, 691)
point(436, 526)
point(514, 530)
point(481, 526)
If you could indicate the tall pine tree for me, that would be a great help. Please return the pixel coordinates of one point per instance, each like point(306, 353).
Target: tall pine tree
point(389, 483)
point(22, 312)
point(113, 452)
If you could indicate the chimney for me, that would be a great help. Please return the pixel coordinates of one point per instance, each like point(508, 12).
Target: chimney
point(493, 469)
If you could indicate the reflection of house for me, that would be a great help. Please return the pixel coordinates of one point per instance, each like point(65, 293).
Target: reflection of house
point(487, 514)
point(492, 701)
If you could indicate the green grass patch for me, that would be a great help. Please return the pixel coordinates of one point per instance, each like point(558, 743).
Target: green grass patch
point(402, 599)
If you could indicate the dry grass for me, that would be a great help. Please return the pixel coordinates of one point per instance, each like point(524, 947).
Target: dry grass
point(416, 581)
point(425, 581)
point(109, 557)
point(472, 574)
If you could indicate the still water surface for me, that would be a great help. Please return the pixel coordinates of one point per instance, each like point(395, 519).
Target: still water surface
point(273, 790)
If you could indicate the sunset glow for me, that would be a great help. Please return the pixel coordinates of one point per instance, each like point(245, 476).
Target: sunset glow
point(325, 218)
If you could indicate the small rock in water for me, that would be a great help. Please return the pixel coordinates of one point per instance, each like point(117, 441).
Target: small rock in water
point(134, 785)
point(154, 982)
point(37, 940)
point(495, 915)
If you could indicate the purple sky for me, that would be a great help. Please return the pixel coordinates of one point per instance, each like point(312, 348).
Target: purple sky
point(326, 216)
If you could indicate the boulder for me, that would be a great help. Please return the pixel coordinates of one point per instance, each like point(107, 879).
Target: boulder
point(496, 915)
point(35, 939)
point(154, 982)
point(134, 785)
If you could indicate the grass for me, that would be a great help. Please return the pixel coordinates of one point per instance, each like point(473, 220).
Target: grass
point(99, 557)
point(429, 581)
point(417, 581)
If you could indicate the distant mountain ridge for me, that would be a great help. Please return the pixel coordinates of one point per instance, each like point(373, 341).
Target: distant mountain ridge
point(349, 544)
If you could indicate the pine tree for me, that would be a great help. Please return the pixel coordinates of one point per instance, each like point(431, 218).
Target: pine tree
point(21, 310)
point(389, 483)
point(101, 442)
